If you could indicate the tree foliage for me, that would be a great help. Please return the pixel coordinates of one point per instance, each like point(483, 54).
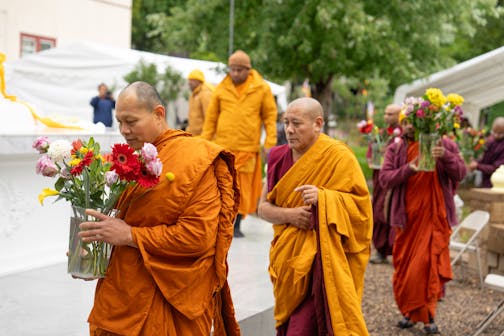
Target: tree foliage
point(388, 42)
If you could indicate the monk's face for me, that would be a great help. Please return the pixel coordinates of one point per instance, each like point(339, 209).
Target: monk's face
point(138, 124)
point(238, 74)
point(301, 128)
point(408, 129)
point(498, 129)
point(193, 84)
point(391, 116)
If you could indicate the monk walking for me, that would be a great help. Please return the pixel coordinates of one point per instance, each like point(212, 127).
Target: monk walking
point(241, 105)
point(201, 92)
point(168, 269)
point(318, 200)
point(422, 212)
point(383, 235)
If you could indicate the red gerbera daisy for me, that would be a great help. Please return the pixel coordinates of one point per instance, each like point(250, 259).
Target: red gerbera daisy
point(125, 162)
point(86, 161)
point(147, 180)
point(77, 144)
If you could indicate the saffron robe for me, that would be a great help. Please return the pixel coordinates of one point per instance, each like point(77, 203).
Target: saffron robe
point(345, 228)
point(175, 282)
point(198, 104)
point(234, 120)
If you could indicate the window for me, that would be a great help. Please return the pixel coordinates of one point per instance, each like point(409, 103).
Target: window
point(33, 43)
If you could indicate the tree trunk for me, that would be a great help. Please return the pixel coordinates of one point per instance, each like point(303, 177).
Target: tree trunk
point(323, 93)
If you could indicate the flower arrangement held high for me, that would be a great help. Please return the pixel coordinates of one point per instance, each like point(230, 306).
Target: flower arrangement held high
point(88, 179)
point(433, 115)
point(471, 143)
point(433, 112)
point(381, 136)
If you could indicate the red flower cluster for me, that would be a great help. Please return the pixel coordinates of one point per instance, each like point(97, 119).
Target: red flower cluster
point(132, 167)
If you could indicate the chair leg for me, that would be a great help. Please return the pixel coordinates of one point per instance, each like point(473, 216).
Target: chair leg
point(490, 317)
point(479, 266)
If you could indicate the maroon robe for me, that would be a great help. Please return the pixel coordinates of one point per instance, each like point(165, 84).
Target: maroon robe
point(491, 160)
point(312, 316)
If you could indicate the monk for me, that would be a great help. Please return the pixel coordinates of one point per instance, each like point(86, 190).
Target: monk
point(318, 200)
point(168, 270)
point(493, 157)
point(383, 235)
point(241, 105)
point(422, 213)
point(201, 92)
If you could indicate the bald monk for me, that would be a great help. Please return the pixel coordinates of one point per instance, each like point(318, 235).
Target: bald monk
point(168, 270)
point(493, 157)
point(422, 213)
point(383, 235)
point(318, 201)
point(240, 106)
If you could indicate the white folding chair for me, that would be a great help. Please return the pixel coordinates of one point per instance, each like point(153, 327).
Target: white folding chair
point(465, 237)
point(495, 282)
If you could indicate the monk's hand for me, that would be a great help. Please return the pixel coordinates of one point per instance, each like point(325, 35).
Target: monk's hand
point(438, 151)
point(413, 164)
point(473, 165)
point(300, 217)
point(309, 193)
point(107, 229)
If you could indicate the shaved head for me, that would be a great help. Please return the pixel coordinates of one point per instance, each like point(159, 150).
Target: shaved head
point(147, 96)
point(498, 128)
point(391, 116)
point(311, 107)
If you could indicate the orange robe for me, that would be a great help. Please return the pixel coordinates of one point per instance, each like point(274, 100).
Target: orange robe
point(421, 254)
point(234, 120)
point(175, 282)
point(198, 104)
point(345, 229)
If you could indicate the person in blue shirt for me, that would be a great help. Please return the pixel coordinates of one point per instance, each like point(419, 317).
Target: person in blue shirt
point(103, 104)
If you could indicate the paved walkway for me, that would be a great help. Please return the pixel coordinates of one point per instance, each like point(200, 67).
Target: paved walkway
point(48, 302)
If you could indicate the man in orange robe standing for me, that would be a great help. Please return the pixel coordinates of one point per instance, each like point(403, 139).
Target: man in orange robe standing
point(198, 101)
point(422, 212)
point(168, 270)
point(318, 200)
point(241, 105)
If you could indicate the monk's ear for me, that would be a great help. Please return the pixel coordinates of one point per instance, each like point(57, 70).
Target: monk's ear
point(319, 122)
point(160, 112)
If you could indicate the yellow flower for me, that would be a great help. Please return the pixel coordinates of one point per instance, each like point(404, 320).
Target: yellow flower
point(456, 125)
point(83, 150)
point(436, 96)
point(455, 99)
point(481, 141)
point(46, 192)
point(74, 162)
point(100, 157)
point(170, 176)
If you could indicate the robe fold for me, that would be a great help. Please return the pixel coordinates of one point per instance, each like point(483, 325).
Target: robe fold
point(175, 282)
point(345, 229)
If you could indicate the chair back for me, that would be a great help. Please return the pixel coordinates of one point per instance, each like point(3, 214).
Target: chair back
point(476, 220)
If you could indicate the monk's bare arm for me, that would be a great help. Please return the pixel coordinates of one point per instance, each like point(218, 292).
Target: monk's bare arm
point(299, 216)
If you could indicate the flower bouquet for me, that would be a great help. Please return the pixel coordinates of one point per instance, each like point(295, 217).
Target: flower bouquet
point(471, 143)
point(88, 179)
point(378, 139)
point(433, 115)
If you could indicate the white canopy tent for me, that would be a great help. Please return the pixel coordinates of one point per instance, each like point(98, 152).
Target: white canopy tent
point(62, 81)
point(479, 80)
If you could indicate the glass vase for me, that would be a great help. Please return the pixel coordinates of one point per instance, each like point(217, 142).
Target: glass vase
point(86, 260)
point(377, 155)
point(426, 141)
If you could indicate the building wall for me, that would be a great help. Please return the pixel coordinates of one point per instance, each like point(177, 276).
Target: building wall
point(67, 21)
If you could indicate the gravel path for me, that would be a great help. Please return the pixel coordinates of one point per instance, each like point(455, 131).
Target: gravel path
point(464, 306)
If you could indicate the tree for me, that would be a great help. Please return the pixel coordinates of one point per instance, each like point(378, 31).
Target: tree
point(392, 41)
